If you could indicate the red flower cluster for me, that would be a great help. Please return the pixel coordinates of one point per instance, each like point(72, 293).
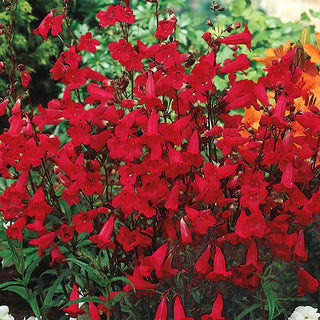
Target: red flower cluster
point(164, 176)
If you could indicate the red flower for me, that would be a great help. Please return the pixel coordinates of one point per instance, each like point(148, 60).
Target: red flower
point(15, 230)
point(219, 268)
point(185, 232)
point(103, 238)
point(114, 14)
point(178, 310)
point(126, 55)
point(248, 275)
point(202, 265)
point(87, 43)
point(239, 38)
point(162, 311)
point(73, 310)
point(124, 14)
point(83, 220)
point(50, 23)
point(216, 312)
point(3, 106)
point(307, 283)
point(166, 270)
point(131, 239)
point(56, 256)
point(277, 117)
point(65, 232)
point(299, 253)
point(37, 206)
point(44, 242)
point(25, 78)
point(108, 17)
point(202, 220)
point(138, 282)
point(159, 256)
point(93, 311)
point(164, 29)
point(240, 63)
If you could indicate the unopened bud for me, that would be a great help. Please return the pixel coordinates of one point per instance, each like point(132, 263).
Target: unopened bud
point(229, 28)
point(21, 67)
point(216, 6)
point(2, 28)
point(233, 47)
point(236, 25)
point(209, 23)
point(3, 66)
point(222, 9)
point(207, 38)
point(173, 18)
point(305, 36)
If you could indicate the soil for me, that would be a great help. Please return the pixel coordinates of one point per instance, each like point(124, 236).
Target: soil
point(18, 307)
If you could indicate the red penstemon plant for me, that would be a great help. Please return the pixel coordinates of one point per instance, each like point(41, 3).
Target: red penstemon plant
point(161, 188)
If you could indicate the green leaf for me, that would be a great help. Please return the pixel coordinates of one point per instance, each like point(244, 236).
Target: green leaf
point(315, 14)
point(20, 290)
point(17, 254)
point(9, 283)
point(31, 267)
point(123, 279)
point(270, 299)
point(119, 296)
point(93, 273)
point(49, 296)
point(35, 307)
point(247, 311)
point(305, 17)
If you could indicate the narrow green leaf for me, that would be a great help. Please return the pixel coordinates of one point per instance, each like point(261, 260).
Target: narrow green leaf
point(9, 283)
point(94, 274)
point(20, 290)
point(247, 311)
point(31, 268)
point(123, 279)
point(49, 296)
point(34, 306)
point(17, 254)
point(119, 296)
point(270, 299)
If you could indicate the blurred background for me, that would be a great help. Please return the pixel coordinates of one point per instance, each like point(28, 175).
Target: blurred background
point(286, 10)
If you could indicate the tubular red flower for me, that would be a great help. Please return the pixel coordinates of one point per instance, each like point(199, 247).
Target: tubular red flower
point(162, 311)
point(239, 38)
point(103, 238)
point(73, 310)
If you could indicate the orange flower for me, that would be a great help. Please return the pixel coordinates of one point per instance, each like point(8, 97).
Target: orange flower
point(252, 117)
point(312, 50)
point(273, 53)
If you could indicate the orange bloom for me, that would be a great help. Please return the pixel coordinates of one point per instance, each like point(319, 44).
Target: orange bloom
point(312, 50)
point(273, 53)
